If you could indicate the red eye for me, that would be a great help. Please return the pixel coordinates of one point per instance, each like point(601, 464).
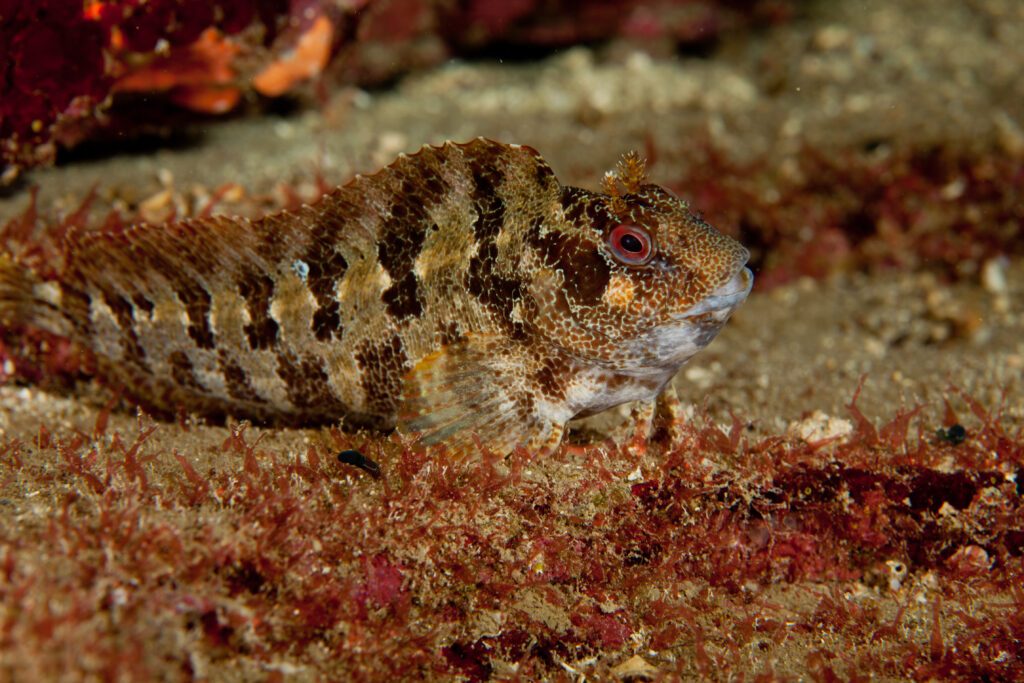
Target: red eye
point(631, 244)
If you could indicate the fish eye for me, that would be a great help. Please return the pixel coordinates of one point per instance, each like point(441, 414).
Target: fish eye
point(631, 244)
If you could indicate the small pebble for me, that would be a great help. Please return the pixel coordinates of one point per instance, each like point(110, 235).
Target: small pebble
point(993, 275)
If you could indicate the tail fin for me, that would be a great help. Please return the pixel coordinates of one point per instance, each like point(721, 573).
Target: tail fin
point(16, 295)
point(26, 300)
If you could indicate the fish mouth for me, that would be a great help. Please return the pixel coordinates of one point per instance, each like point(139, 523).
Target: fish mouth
point(728, 296)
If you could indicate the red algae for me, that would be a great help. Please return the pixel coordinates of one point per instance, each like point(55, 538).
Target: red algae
point(447, 568)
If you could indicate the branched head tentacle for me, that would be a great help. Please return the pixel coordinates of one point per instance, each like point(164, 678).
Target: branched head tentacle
point(632, 171)
point(629, 176)
point(610, 185)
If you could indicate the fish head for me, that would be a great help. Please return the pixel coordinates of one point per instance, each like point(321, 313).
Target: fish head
point(633, 281)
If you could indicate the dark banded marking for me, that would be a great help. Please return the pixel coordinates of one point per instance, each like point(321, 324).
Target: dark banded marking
point(586, 271)
point(123, 313)
point(236, 380)
point(497, 293)
point(402, 298)
point(326, 266)
point(197, 305)
point(258, 290)
point(76, 305)
point(542, 172)
point(400, 241)
point(326, 323)
point(433, 188)
point(382, 368)
point(421, 179)
point(142, 303)
point(490, 207)
point(183, 373)
point(307, 384)
point(588, 210)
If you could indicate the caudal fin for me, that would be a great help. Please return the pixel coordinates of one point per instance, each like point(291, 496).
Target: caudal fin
point(25, 300)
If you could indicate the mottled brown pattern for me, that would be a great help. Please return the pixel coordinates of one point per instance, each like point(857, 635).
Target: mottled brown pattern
point(450, 333)
point(273, 243)
point(462, 292)
point(553, 377)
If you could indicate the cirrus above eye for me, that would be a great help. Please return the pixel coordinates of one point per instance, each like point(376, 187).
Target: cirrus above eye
point(631, 244)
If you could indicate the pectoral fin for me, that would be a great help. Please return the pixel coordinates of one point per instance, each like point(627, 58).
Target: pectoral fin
point(478, 386)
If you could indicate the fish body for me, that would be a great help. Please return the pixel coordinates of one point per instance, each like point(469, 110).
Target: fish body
point(461, 292)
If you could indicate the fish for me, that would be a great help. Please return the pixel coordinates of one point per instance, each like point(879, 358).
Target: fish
point(461, 294)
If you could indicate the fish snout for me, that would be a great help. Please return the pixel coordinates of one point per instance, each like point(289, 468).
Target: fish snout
point(725, 297)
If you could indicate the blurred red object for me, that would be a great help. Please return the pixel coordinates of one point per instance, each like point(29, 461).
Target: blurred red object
point(53, 57)
point(65, 58)
point(199, 76)
point(307, 59)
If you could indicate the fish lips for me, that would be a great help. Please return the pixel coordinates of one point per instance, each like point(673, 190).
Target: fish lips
point(725, 298)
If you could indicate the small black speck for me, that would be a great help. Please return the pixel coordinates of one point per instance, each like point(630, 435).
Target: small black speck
point(359, 460)
point(954, 436)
